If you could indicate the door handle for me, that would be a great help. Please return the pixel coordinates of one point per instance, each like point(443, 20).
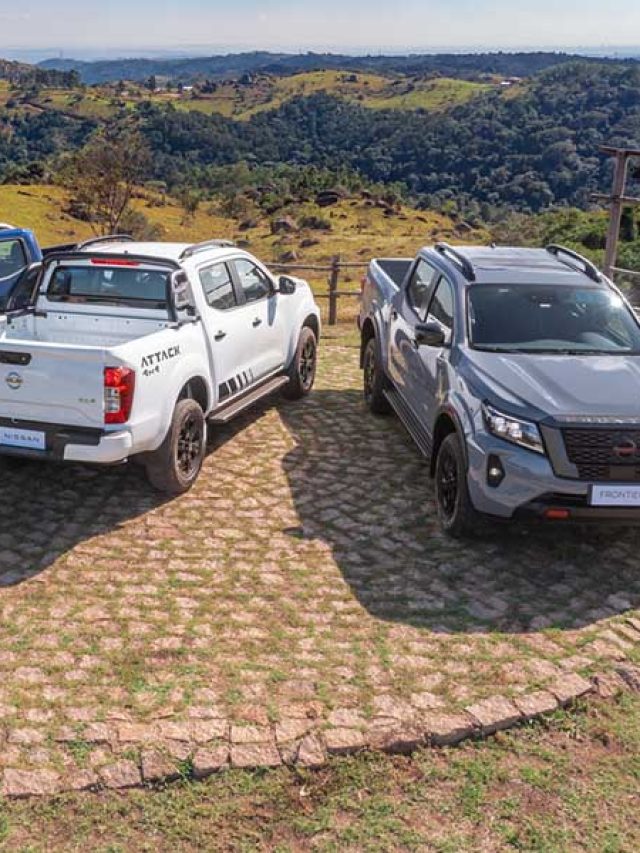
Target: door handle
point(219, 336)
point(394, 315)
point(256, 322)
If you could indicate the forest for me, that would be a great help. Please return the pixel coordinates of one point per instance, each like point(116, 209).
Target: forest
point(526, 152)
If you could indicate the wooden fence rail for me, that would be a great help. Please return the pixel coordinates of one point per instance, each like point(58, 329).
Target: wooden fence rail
point(333, 280)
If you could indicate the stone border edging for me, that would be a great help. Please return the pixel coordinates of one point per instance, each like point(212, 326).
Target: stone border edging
point(200, 748)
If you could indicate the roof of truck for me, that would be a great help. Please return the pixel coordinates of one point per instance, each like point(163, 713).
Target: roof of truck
point(511, 264)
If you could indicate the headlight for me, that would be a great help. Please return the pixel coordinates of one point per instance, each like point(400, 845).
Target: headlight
point(524, 433)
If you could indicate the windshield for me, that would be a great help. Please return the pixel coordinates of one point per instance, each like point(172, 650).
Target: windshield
point(12, 258)
point(123, 285)
point(549, 319)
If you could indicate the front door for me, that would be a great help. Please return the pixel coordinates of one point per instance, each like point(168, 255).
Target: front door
point(224, 321)
point(264, 323)
point(409, 307)
point(427, 372)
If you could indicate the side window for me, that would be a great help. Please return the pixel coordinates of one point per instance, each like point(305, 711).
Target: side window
point(442, 305)
point(254, 283)
point(420, 288)
point(218, 287)
point(12, 257)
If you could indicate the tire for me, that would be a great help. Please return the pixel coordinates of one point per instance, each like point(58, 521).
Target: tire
point(455, 510)
point(374, 380)
point(174, 467)
point(302, 370)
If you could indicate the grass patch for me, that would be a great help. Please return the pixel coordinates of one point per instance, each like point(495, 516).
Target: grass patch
point(536, 788)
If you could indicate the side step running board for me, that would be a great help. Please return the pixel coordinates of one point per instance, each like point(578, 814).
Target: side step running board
point(224, 415)
point(410, 422)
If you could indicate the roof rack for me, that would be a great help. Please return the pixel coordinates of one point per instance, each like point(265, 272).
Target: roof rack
point(108, 238)
point(458, 258)
point(588, 268)
point(207, 244)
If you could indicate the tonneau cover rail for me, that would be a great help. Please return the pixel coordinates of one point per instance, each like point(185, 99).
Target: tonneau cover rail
point(109, 256)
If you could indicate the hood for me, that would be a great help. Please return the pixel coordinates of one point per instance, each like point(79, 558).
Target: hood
point(557, 385)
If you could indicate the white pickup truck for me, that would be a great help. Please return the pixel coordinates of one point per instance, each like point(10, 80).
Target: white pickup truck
point(131, 349)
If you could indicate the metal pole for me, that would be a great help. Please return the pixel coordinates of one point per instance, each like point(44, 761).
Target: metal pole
point(619, 179)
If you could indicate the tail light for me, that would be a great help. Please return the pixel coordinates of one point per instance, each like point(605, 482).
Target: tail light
point(363, 283)
point(119, 384)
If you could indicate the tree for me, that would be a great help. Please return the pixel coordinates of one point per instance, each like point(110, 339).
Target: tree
point(103, 175)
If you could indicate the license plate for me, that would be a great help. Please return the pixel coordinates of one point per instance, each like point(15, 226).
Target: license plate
point(615, 495)
point(12, 437)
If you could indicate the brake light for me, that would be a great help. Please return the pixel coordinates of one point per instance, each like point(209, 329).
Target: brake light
point(114, 262)
point(119, 384)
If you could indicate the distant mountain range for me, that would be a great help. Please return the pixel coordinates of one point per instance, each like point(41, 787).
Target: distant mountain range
point(464, 65)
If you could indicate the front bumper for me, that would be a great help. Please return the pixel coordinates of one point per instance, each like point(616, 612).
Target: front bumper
point(530, 487)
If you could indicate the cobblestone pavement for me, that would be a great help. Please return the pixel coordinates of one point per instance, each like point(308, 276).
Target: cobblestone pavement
point(299, 601)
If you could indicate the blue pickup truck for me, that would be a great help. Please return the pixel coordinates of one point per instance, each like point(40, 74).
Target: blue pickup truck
point(517, 374)
point(20, 262)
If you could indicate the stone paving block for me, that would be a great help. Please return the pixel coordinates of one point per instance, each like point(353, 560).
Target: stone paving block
point(395, 739)
point(120, 774)
point(447, 729)
point(205, 730)
point(156, 766)
point(80, 780)
point(570, 687)
point(30, 783)
point(251, 755)
point(175, 730)
point(343, 741)
point(292, 728)
point(312, 752)
point(609, 684)
point(135, 733)
point(251, 734)
point(494, 714)
point(210, 759)
point(535, 704)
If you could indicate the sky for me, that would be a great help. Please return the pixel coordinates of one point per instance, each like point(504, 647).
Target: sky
point(127, 27)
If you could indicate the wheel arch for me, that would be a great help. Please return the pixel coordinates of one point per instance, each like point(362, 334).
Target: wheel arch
point(312, 322)
point(196, 388)
point(446, 422)
point(368, 332)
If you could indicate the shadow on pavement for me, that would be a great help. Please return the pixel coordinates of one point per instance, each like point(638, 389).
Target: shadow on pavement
point(359, 485)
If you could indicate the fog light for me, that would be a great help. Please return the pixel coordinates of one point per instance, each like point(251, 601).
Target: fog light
point(495, 471)
point(557, 514)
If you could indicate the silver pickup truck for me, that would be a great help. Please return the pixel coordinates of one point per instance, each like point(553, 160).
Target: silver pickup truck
point(517, 374)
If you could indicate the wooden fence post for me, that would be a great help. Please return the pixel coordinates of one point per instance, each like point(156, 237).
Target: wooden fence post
point(334, 277)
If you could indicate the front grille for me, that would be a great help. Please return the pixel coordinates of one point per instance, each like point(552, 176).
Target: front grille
point(593, 452)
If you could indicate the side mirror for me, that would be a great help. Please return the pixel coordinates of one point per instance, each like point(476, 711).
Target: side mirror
point(286, 285)
point(181, 292)
point(430, 335)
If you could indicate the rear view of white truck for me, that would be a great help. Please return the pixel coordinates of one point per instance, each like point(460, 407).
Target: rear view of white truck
point(131, 349)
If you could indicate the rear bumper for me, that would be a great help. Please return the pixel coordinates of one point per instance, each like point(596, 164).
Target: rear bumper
point(73, 444)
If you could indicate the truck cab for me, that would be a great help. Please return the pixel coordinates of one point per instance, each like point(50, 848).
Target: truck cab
point(516, 372)
point(20, 261)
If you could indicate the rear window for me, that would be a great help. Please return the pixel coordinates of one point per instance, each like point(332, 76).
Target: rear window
point(12, 258)
point(128, 286)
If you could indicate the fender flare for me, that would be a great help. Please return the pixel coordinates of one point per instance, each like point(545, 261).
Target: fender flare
point(448, 410)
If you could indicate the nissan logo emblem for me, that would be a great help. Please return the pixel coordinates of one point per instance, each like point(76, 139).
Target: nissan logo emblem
point(626, 449)
point(14, 380)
